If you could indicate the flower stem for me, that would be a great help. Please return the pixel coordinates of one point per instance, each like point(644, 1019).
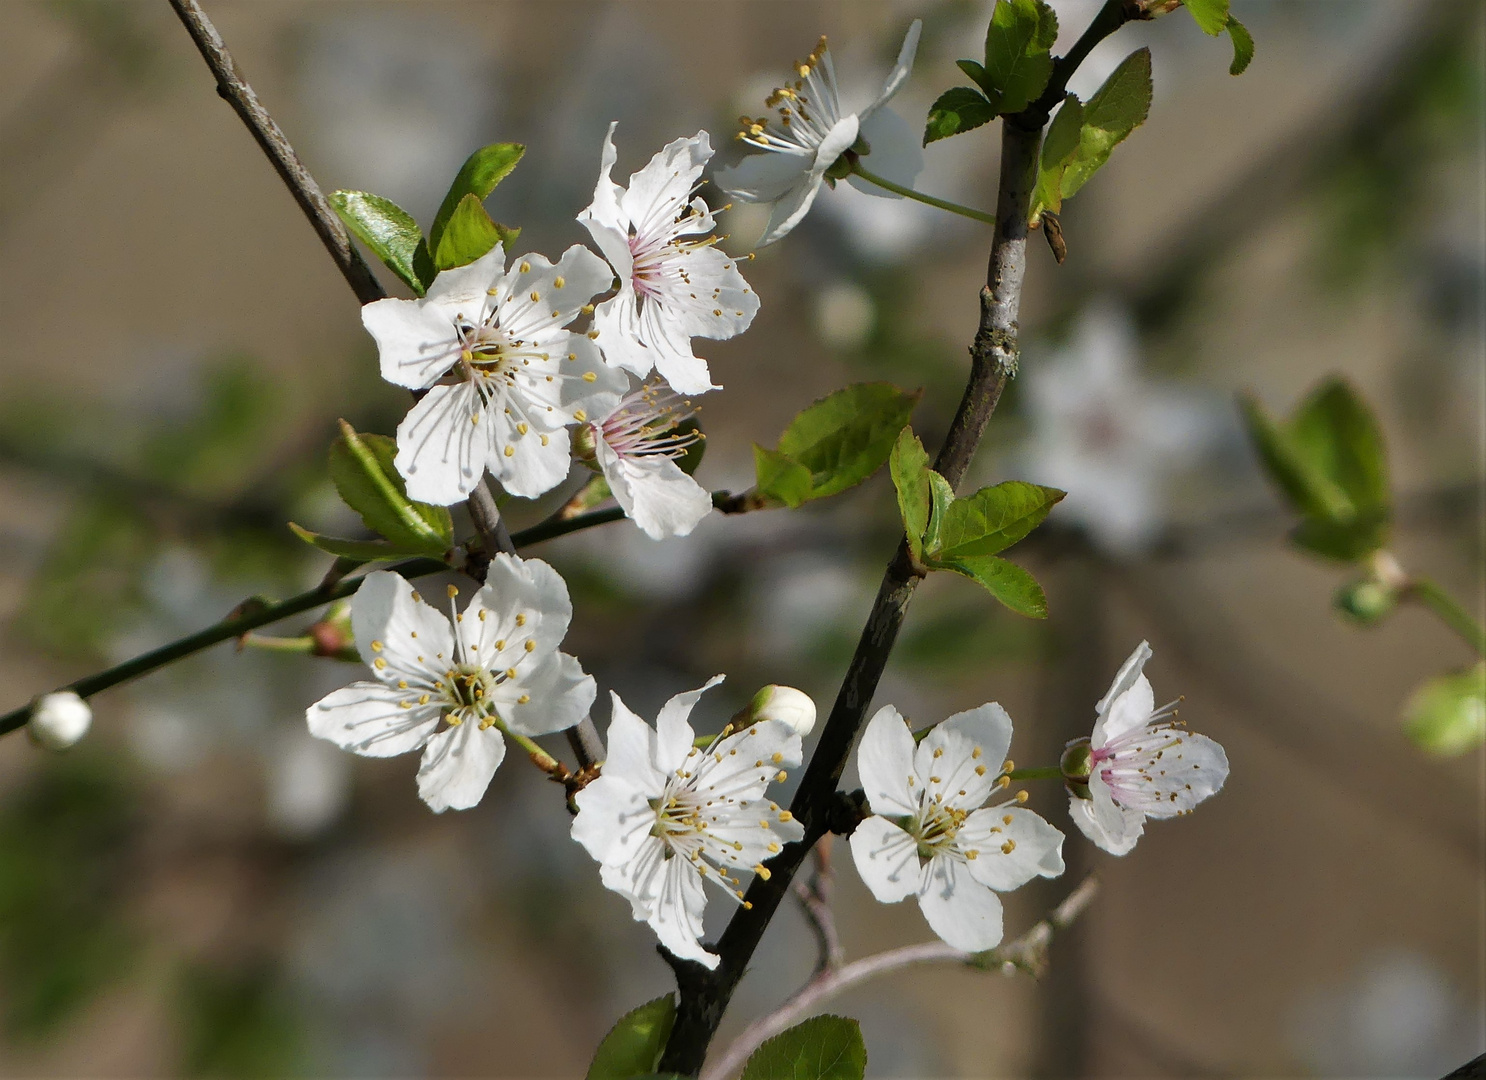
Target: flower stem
point(543, 760)
point(302, 644)
point(1451, 613)
point(918, 196)
point(1046, 772)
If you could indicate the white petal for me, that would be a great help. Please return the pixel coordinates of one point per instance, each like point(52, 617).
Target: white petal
point(1130, 671)
point(964, 743)
point(533, 463)
point(765, 177)
point(886, 858)
point(795, 204)
point(669, 344)
point(1035, 847)
point(962, 911)
point(603, 218)
point(457, 766)
point(677, 914)
point(1128, 713)
point(411, 639)
point(896, 154)
point(655, 493)
point(463, 288)
point(885, 763)
point(661, 190)
point(901, 70)
point(632, 750)
point(674, 736)
point(442, 447)
point(620, 877)
point(727, 303)
point(1192, 768)
point(515, 586)
point(561, 695)
point(1110, 827)
point(369, 719)
point(614, 819)
point(416, 341)
point(617, 320)
point(583, 275)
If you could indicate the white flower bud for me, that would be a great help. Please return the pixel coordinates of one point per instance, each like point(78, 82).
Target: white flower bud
point(785, 704)
point(58, 720)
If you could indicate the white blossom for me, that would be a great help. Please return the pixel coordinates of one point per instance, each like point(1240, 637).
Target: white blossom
point(812, 132)
point(667, 815)
point(674, 285)
point(930, 835)
point(1142, 763)
point(636, 446)
point(789, 706)
point(504, 376)
point(58, 720)
point(452, 684)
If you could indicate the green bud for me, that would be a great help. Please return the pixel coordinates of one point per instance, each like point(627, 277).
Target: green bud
point(1076, 762)
point(840, 168)
point(1367, 601)
point(585, 446)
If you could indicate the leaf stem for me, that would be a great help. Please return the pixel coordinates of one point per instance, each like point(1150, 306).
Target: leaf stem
point(1045, 772)
point(918, 196)
point(1450, 612)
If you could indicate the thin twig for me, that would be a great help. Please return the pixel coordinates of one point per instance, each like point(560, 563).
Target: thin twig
point(814, 894)
point(1026, 953)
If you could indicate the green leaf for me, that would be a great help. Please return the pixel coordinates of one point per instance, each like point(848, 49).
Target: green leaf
point(822, 1048)
point(977, 73)
point(996, 517)
point(1006, 581)
point(1210, 15)
point(1345, 541)
point(1447, 714)
point(1338, 434)
point(1018, 60)
point(362, 551)
point(478, 176)
point(1307, 490)
point(1243, 46)
point(909, 466)
point(469, 234)
point(844, 438)
point(941, 499)
point(1116, 109)
point(957, 110)
point(386, 228)
point(633, 1046)
point(1059, 147)
point(780, 478)
point(361, 467)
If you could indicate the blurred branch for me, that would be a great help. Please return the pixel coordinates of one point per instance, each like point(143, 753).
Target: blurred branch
point(1028, 953)
point(814, 894)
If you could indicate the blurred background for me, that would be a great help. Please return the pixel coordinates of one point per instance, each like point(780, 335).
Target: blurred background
point(200, 889)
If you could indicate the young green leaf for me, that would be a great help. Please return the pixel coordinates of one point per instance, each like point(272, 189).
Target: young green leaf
point(469, 234)
point(780, 478)
point(478, 176)
point(362, 551)
point(1447, 714)
point(957, 110)
point(1059, 147)
point(1116, 109)
point(994, 518)
point(1210, 15)
point(844, 438)
point(909, 466)
point(633, 1046)
point(822, 1048)
point(1018, 60)
point(941, 499)
point(1006, 581)
point(1338, 434)
point(977, 72)
point(361, 467)
point(1243, 46)
point(384, 227)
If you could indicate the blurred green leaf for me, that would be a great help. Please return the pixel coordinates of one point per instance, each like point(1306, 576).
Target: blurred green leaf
point(822, 1048)
point(1447, 714)
point(1018, 51)
point(1116, 109)
point(941, 499)
point(1210, 15)
point(478, 176)
point(909, 466)
point(387, 229)
point(362, 469)
point(221, 445)
point(1006, 581)
point(362, 551)
point(994, 518)
point(468, 235)
point(956, 110)
point(634, 1045)
point(239, 1024)
point(845, 437)
point(780, 478)
point(1243, 46)
point(1059, 147)
point(1338, 434)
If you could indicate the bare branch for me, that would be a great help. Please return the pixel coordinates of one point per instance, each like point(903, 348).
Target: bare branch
point(814, 894)
point(1028, 953)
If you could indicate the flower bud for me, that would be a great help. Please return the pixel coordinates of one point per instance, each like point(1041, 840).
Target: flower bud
point(1077, 761)
point(787, 705)
point(59, 719)
point(1366, 601)
point(585, 444)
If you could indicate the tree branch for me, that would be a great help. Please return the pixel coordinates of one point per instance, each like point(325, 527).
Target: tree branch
point(814, 894)
point(1028, 952)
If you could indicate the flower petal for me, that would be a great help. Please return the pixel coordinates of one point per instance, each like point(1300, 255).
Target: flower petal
point(416, 341)
point(659, 192)
point(533, 303)
point(370, 719)
point(885, 764)
point(1013, 846)
point(463, 289)
point(528, 588)
point(1191, 768)
point(614, 819)
point(964, 754)
point(1113, 828)
point(604, 219)
point(676, 916)
point(561, 695)
point(765, 177)
point(962, 911)
point(896, 155)
point(457, 766)
point(443, 444)
point(666, 340)
point(901, 70)
point(632, 752)
point(674, 736)
point(886, 858)
point(654, 492)
point(725, 303)
point(398, 635)
point(1131, 671)
point(617, 321)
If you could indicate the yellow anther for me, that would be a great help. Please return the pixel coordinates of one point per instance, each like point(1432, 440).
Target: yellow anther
point(500, 643)
point(972, 854)
point(453, 591)
point(556, 315)
point(777, 758)
point(1004, 781)
point(593, 335)
point(376, 646)
point(530, 645)
point(762, 871)
point(785, 815)
point(572, 356)
point(526, 267)
point(510, 451)
point(781, 776)
point(579, 415)
point(938, 751)
point(935, 780)
point(558, 282)
point(483, 613)
point(544, 440)
point(521, 428)
point(510, 673)
point(1021, 796)
point(590, 376)
point(980, 770)
point(422, 699)
point(520, 618)
point(1008, 847)
point(524, 699)
point(773, 847)
point(402, 684)
point(587, 309)
point(1007, 819)
point(975, 753)
point(379, 663)
point(466, 355)
point(1008, 765)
